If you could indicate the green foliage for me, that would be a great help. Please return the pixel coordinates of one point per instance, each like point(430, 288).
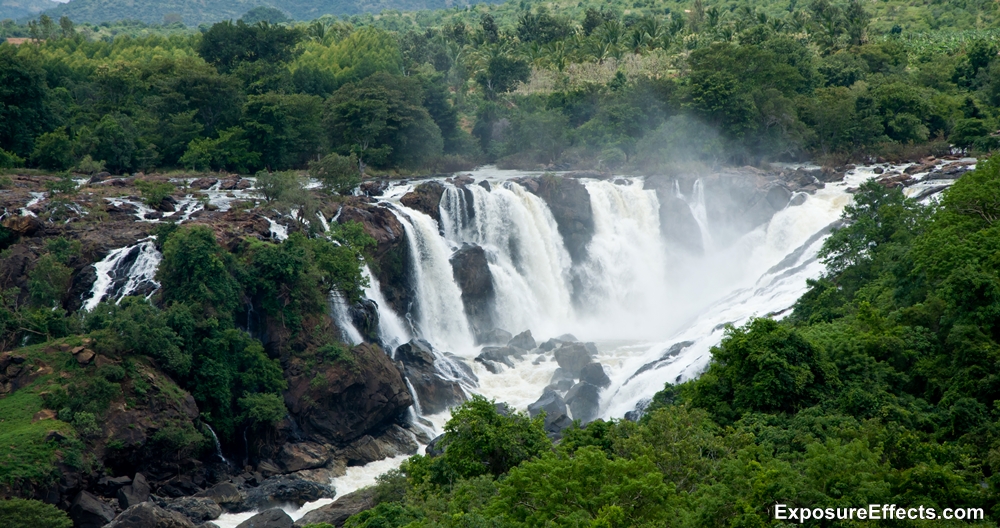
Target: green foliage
point(263, 408)
point(229, 151)
point(195, 270)
point(9, 160)
point(278, 186)
point(36, 455)
point(154, 192)
point(48, 281)
point(21, 513)
point(338, 174)
point(226, 45)
point(53, 151)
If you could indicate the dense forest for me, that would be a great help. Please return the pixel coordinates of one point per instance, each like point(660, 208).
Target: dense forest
point(536, 90)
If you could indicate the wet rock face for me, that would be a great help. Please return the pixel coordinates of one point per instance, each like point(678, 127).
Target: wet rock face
point(425, 198)
point(416, 361)
point(87, 511)
point(569, 202)
point(364, 315)
point(341, 401)
point(472, 274)
point(677, 224)
point(524, 341)
point(391, 251)
point(572, 358)
point(584, 401)
point(392, 442)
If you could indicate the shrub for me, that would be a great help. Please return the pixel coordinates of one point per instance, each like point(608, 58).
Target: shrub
point(153, 192)
point(21, 513)
point(9, 160)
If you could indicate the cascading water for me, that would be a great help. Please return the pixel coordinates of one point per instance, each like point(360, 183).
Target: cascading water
point(392, 331)
point(340, 310)
point(700, 213)
point(440, 317)
point(528, 261)
point(125, 271)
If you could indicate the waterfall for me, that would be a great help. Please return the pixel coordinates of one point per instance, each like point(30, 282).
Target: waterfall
point(440, 316)
point(624, 279)
point(125, 271)
point(392, 331)
point(700, 212)
point(340, 310)
point(218, 446)
point(527, 258)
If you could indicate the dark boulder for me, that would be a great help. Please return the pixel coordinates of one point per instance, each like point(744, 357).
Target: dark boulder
point(303, 455)
point(134, 493)
point(491, 357)
point(392, 442)
point(273, 518)
point(87, 511)
point(434, 447)
point(225, 494)
point(472, 273)
point(282, 489)
point(584, 400)
point(556, 417)
point(198, 509)
point(572, 358)
point(149, 515)
point(341, 401)
point(337, 512)
point(425, 198)
point(549, 345)
point(594, 374)
point(435, 393)
point(524, 341)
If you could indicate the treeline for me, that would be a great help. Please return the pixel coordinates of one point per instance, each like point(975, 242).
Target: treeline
point(620, 92)
point(880, 388)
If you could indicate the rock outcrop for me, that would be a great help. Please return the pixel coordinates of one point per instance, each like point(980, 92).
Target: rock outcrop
point(337, 512)
point(273, 518)
point(343, 400)
point(283, 489)
point(391, 251)
point(569, 202)
point(471, 270)
point(435, 393)
point(149, 515)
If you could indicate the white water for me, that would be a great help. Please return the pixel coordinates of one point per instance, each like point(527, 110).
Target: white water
point(441, 319)
point(528, 261)
point(392, 331)
point(113, 279)
point(340, 311)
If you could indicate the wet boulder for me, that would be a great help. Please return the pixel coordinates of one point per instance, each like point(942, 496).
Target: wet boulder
point(573, 357)
point(417, 362)
point(492, 357)
point(337, 512)
point(425, 198)
point(392, 442)
point(472, 274)
point(225, 494)
point(556, 417)
point(584, 401)
point(524, 341)
point(595, 375)
point(273, 518)
point(364, 316)
point(282, 489)
point(303, 455)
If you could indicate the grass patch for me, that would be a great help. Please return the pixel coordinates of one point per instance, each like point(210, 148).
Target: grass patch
point(29, 457)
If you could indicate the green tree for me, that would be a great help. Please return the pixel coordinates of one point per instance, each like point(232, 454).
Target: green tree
point(53, 150)
point(195, 270)
point(226, 45)
point(338, 174)
point(116, 142)
point(285, 129)
point(23, 92)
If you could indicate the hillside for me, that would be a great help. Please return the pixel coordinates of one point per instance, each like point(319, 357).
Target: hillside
point(18, 9)
point(193, 13)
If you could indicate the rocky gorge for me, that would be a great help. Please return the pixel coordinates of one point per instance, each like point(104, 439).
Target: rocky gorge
point(457, 304)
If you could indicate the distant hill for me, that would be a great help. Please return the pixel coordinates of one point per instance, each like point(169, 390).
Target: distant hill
point(195, 12)
point(17, 9)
